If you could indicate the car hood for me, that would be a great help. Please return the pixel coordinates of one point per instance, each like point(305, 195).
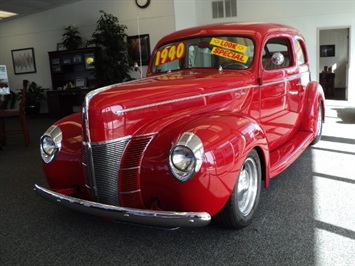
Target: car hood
point(121, 109)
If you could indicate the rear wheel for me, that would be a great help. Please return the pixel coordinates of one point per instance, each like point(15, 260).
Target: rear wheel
point(319, 126)
point(240, 208)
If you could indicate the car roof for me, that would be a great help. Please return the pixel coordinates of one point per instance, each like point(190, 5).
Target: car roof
point(255, 29)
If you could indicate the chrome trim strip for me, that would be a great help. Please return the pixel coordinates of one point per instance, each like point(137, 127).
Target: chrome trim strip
point(283, 80)
point(165, 219)
point(185, 99)
point(90, 165)
point(98, 143)
point(130, 168)
point(120, 139)
point(129, 192)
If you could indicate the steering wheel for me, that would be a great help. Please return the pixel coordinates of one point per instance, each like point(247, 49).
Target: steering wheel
point(234, 65)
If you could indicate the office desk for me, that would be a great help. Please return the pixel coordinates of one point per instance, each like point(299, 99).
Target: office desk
point(65, 102)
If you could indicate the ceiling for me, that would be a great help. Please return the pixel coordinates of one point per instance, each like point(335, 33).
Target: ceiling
point(27, 7)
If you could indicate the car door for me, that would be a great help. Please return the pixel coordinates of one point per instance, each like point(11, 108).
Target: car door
point(279, 91)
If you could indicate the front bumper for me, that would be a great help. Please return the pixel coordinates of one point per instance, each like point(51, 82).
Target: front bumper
point(167, 219)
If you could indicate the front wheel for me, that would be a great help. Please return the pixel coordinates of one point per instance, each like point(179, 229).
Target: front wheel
point(240, 208)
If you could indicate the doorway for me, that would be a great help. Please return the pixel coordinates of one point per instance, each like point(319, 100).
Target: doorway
point(333, 62)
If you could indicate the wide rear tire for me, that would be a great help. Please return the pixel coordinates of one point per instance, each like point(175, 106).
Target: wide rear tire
point(240, 208)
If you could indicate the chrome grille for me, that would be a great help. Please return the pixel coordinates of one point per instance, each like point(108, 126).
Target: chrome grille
point(102, 169)
point(112, 170)
point(129, 176)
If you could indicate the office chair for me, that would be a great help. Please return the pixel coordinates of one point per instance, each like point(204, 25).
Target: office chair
point(19, 112)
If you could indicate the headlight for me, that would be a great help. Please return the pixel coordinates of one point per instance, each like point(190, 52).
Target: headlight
point(186, 157)
point(50, 143)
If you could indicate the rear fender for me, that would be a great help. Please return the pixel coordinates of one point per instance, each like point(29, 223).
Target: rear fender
point(315, 97)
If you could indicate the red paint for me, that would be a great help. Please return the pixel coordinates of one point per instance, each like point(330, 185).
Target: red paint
point(232, 111)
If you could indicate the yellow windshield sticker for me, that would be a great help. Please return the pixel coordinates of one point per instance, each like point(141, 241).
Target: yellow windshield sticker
point(229, 54)
point(169, 54)
point(229, 45)
point(170, 77)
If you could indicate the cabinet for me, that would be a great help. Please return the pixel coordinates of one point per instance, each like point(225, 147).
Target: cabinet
point(71, 66)
point(326, 80)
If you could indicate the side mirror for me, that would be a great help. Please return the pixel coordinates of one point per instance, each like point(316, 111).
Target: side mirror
point(277, 58)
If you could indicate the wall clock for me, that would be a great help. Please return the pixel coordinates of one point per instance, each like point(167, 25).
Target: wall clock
point(142, 3)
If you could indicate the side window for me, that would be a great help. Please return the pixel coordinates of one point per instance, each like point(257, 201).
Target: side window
point(274, 45)
point(300, 52)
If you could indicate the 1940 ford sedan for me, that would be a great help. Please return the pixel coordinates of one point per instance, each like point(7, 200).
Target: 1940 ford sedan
point(223, 108)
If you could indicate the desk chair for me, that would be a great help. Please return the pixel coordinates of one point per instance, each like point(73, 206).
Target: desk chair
point(19, 112)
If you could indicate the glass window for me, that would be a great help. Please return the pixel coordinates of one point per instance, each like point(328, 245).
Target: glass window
point(229, 52)
point(277, 45)
point(301, 58)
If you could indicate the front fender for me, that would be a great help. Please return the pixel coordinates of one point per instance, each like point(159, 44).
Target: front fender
point(64, 174)
point(227, 140)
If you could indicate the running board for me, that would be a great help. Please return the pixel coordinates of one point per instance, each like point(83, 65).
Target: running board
point(285, 155)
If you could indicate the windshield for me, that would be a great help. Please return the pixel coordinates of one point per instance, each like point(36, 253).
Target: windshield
point(230, 52)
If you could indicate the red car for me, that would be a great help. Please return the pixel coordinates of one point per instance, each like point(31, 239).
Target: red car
point(224, 108)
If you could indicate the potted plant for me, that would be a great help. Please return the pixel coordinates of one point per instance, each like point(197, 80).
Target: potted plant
point(34, 98)
point(71, 38)
point(112, 59)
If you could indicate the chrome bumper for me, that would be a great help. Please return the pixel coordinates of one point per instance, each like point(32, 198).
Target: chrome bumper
point(167, 219)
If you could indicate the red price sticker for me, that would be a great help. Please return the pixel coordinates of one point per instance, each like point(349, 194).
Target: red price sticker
point(169, 54)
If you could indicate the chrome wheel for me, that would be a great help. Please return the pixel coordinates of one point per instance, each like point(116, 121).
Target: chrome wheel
point(319, 121)
point(243, 202)
point(247, 186)
point(319, 125)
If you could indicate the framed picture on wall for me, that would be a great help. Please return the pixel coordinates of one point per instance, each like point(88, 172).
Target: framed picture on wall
point(77, 59)
point(327, 50)
point(139, 48)
point(60, 47)
point(23, 61)
point(80, 82)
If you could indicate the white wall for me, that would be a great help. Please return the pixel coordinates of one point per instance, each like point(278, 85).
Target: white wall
point(307, 16)
point(44, 30)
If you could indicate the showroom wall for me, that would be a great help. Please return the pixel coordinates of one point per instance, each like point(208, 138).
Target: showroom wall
point(44, 30)
point(307, 16)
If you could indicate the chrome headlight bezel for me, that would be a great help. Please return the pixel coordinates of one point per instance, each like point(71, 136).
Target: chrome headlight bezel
point(51, 143)
point(186, 157)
